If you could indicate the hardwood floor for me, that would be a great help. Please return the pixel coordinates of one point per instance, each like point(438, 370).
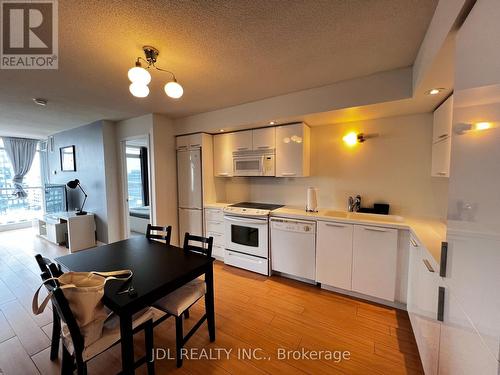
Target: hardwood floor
point(252, 312)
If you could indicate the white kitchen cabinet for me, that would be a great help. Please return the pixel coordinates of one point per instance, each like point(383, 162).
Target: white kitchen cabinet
point(292, 150)
point(334, 254)
point(223, 155)
point(441, 152)
point(461, 349)
point(423, 306)
point(443, 119)
point(264, 139)
point(441, 139)
point(214, 227)
point(242, 141)
point(185, 142)
point(374, 263)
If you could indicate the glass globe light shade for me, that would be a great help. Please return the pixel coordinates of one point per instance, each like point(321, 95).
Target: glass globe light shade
point(139, 90)
point(174, 90)
point(140, 75)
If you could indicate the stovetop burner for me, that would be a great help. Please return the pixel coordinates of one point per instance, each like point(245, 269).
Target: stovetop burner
point(259, 206)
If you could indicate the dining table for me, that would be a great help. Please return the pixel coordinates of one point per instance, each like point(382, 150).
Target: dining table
point(158, 269)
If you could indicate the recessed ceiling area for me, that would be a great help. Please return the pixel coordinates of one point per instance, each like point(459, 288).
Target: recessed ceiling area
point(224, 53)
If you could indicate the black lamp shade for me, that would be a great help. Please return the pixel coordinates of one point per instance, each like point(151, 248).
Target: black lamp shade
point(73, 184)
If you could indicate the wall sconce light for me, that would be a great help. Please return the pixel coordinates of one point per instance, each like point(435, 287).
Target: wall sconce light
point(463, 128)
point(352, 138)
point(140, 77)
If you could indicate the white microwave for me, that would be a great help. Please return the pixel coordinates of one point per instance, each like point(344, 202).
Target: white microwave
point(254, 163)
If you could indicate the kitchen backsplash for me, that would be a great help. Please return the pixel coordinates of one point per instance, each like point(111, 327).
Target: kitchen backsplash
point(393, 168)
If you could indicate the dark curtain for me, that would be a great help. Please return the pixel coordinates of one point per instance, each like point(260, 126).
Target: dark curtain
point(144, 175)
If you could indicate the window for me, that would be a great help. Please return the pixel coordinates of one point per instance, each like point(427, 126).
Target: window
point(13, 209)
point(137, 177)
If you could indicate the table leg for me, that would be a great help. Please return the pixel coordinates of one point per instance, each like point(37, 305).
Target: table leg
point(127, 344)
point(209, 302)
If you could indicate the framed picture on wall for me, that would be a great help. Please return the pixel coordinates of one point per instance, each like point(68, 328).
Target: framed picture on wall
point(68, 161)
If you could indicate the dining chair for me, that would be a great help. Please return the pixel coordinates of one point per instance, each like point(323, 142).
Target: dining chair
point(180, 300)
point(160, 233)
point(49, 270)
point(76, 350)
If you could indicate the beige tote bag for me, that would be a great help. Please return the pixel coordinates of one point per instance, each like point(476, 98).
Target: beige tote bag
point(84, 292)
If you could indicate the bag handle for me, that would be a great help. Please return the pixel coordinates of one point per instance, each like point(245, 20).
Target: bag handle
point(112, 275)
point(38, 309)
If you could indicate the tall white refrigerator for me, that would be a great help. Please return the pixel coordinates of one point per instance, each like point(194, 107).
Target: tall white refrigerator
point(190, 194)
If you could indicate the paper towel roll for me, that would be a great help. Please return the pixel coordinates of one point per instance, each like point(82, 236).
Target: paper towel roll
point(312, 199)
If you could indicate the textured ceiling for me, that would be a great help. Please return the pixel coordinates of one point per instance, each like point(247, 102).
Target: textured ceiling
point(223, 52)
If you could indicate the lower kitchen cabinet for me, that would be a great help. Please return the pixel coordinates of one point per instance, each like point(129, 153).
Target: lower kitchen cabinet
point(422, 305)
point(374, 261)
point(334, 254)
point(214, 227)
point(461, 349)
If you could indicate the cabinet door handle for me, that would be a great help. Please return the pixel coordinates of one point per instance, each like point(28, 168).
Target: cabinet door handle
point(444, 259)
point(442, 173)
point(223, 174)
point(440, 307)
point(443, 136)
point(413, 242)
point(182, 147)
point(288, 174)
point(428, 265)
point(374, 229)
point(241, 148)
point(335, 225)
point(262, 147)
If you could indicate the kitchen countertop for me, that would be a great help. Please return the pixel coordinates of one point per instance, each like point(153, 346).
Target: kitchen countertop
point(429, 232)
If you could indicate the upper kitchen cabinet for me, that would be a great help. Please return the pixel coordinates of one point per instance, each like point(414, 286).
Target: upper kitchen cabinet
point(242, 141)
point(264, 139)
point(185, 142)
point(441, 139)
point(443, 117)
point(292, 150)
point(223, 154)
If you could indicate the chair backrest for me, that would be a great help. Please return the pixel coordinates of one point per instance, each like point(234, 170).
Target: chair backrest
point(60, 303)
point(161, 233)
point(206, 244)
point(49, 269)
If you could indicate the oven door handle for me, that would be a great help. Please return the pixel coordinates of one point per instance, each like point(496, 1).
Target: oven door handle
point(245, 220)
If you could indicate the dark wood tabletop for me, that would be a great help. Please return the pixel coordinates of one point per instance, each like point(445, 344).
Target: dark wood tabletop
point(158, 269)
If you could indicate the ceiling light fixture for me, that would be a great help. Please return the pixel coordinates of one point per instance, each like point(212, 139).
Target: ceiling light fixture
point(435, 91)
point(140, 76)
point(39, 101)
point(272, 123)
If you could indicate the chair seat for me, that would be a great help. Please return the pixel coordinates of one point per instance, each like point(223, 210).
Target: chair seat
point(180, 299)
point(110, 332)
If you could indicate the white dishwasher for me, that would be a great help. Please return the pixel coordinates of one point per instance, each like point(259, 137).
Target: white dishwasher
point(293, 247)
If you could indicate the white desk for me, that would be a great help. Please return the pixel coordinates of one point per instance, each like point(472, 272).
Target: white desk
point(77, 231)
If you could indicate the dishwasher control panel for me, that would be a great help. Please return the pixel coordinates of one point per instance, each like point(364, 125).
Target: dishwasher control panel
point(293, 225)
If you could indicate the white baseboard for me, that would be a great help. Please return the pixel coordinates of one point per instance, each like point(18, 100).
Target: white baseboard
point(13, 226)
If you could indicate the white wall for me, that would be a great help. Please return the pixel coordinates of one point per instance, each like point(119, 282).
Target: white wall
point(393, 168)
point(165, 174)
point(111, 168)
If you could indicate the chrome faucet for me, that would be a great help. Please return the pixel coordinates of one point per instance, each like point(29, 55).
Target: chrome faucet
point(354, 204)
